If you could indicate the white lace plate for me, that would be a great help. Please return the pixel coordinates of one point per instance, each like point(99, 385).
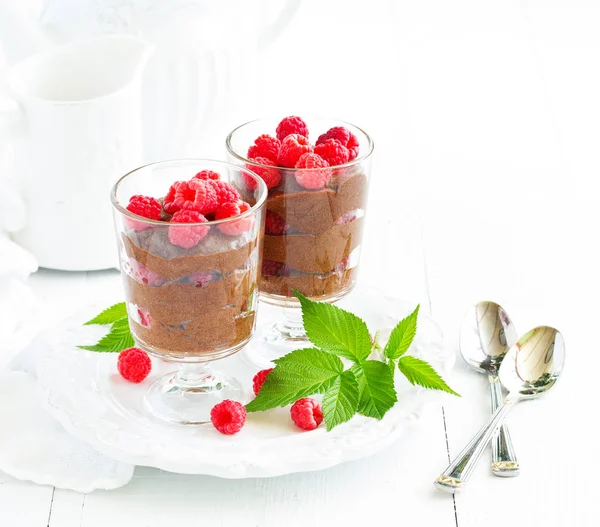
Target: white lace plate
point(85, 393)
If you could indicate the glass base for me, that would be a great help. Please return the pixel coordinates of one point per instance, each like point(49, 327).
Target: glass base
point(188, 395)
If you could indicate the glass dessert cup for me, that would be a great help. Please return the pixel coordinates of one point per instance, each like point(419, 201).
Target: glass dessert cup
point(191, 288)
point(312, 235)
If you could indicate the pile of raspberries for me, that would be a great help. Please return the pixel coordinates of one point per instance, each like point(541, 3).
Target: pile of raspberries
point(292, 149)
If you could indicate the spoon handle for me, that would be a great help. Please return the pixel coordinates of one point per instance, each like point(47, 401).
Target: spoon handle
point(459, 471)
point(504, 460)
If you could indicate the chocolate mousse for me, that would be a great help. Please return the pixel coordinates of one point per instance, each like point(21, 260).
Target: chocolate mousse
point(317, 252)
point(194, 301)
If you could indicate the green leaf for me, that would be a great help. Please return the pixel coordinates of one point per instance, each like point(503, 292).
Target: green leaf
point(419, 372)
point(118, 339)
point(377, 393)
point(335, 330)
point(402, 336)
point(340, 400)
point(110, 315)
point(298, 374)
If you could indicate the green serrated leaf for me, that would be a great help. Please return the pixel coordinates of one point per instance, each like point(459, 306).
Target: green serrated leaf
point(110, 315)
point(340, 400)
point(402, 336)
point(376, 390)
point(298, 374)
point(118, 339)
point(335, 330)
point(420, 372)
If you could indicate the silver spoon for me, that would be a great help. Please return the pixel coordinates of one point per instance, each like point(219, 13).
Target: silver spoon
point(486, 335)
point(529, 369)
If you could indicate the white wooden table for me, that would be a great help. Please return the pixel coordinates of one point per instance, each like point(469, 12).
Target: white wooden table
point(485, 117)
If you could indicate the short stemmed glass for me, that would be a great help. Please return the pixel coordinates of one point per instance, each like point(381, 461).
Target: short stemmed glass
point(191, 288)
point(313, 236)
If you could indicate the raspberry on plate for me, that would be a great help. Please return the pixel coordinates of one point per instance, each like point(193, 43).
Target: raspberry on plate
point(291, 125)
point(146, 208)
point(265, 146)
point(228, 210)
point(208, 175)
point(225, 192)
point(315, 173)
point(197, 194)
point(292, 148)
point(306, 413)
point(259, 379)
point(271, 176)
point(189, 235)
point(344, 136)
point(332, 151)
point(228, 417)
point(134, 364)
point(275, 224)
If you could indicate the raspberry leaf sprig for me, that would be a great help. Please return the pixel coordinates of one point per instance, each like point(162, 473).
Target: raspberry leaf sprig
point(366, 387)
point(119, 337)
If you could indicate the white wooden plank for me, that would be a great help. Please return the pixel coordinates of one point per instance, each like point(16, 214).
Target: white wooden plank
point(67, 508)
point(24, 504)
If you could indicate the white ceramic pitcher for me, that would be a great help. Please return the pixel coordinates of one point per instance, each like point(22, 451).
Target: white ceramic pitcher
point(201, 81)
point(75, 124)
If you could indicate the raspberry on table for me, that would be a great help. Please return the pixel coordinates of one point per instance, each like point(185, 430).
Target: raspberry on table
point(291, 125)
point(134, 364)
point(292, 148)
point(332, 151)
point(187, 236)
point(229, 210)
point(315, 173)
point(344, 136)
point(197, 194)
point(273, 268)
point(265, 146)
point(145, 207)
point(228, 416)
point(271, 176)
point(259, 379)
point(208, 175)
point(225, 192)
point(275, 224)
point(306, 413)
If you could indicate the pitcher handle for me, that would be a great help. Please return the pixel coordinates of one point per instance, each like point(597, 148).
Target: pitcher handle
point(270, 33)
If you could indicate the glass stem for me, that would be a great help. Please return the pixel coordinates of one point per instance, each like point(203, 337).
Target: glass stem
point(195, 376)
point(291, 327)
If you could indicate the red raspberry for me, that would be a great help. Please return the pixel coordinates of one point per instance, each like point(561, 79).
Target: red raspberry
point(273, 268)
point(265, 146)
point(228, 417)
point(275, 224)
point(271, 176)
point(134, 364)
point(187, 237)
point(225, 192)
point(140, 273)
point(291, 125)
point(317, 176)
point(332, 151)
point(259, 380)
point(144, 317)
point(196, 194)
point(292, 147)
point(307, 413)
point(147, 208)
point(208, 175)
point(228, 210)
point(202, 278)
point(344, 136)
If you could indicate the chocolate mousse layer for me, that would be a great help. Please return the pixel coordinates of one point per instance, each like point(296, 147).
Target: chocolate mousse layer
point(325, 227)
point(191, 302)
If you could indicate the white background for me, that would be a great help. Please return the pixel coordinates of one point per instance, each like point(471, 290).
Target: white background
point(486, 119)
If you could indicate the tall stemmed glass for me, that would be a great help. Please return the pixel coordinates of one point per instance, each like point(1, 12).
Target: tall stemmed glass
point(313, 237)
point(191, 288)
